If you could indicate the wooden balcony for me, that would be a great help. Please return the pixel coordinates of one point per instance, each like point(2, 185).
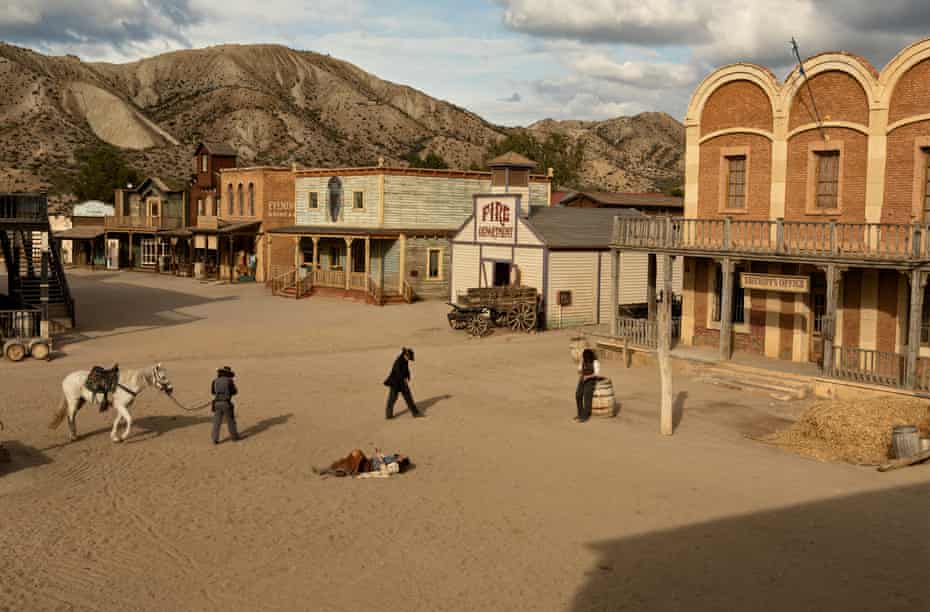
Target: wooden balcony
point(892, 244)
point(22, 208)
point(127, 223)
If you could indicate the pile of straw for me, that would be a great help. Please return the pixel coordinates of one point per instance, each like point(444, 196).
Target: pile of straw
point(857, 432)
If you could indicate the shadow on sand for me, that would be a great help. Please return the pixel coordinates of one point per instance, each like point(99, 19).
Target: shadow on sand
point(21, 456)
point(807, 557)
point(423, 406)
point(265, 424)
point(678, 409)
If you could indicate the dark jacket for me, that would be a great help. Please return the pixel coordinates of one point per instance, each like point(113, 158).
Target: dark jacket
point(400, 373)
point(223, 389)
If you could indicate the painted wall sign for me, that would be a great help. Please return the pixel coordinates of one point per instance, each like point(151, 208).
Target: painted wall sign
point(93, 208)
point(775, 282)
point(280, 208)
point(496, 218)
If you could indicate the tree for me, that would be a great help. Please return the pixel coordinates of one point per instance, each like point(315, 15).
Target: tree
point(101, 170)
point(432, 160)
point(556, 151)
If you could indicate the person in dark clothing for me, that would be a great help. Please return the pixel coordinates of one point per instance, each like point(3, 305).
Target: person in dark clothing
point(588, 371)
point(223, 390)
point(397, 381)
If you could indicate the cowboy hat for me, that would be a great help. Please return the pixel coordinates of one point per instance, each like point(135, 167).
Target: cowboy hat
point(226, 371)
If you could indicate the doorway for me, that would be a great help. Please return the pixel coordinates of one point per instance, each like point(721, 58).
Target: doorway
point(818, 316)
point(501, 274)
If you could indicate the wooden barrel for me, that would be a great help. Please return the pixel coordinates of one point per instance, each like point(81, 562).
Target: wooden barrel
point(576, 347)
point(906, 441)
point(603, 404)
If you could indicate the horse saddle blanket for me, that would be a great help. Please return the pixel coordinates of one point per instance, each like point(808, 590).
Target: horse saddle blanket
point(101, 380)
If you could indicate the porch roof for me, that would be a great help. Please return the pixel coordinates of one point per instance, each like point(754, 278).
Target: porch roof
point(371, 232)
point(80, 233)
point(227, 228)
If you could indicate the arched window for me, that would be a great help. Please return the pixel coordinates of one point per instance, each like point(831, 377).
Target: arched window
point(251, 200)
point(229, 198)
point(241, 201)
point(335, 198)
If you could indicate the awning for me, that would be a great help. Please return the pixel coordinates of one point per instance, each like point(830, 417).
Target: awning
point(80, 233)
point(237, 227)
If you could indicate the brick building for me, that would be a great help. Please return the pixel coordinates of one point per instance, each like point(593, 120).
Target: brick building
point(805, 234)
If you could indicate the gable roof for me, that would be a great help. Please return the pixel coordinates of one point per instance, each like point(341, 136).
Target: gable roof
point(576, 228)
point(163, 186)
point(633, 200)
point(220, 149)
point(513, 160)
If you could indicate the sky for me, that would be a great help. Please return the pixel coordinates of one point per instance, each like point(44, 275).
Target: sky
point(511, 61)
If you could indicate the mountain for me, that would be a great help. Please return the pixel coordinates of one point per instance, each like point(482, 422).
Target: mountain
point(276, 105)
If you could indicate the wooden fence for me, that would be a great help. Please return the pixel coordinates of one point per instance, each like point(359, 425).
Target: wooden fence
point(869, 366)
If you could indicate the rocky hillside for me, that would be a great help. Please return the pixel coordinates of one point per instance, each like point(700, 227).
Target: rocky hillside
point(276, 105)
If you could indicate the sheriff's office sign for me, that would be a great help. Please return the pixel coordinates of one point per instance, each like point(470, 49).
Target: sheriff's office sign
point(496, 218)
point(775, 282)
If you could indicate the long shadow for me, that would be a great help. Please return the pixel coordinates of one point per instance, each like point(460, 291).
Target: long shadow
point(21, 456)
point(158, 425)
point(424, 405)
point(678, 409)
point(862, 552)
point(264, 425)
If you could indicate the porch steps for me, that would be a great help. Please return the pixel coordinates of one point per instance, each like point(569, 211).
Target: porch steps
point(782, 386)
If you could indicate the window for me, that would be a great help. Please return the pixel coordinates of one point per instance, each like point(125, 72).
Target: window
point(152, 250)
point(736, 182)
point(358, 200)
point(335, 257)
point(241, 201)
point(335, 198)
point(229, 198)
point(828, 180)
point(204, 163)
point(739, 314)
point(251, 200)
point(200, 208)
point(312, 200)
point(153, 208)
point(212, 205)
point(434, 264)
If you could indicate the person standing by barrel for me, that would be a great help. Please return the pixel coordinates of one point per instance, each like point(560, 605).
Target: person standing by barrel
point(588, 371)
point(398, 382)
point(223, 390)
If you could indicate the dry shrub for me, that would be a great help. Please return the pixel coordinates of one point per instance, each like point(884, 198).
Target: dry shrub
point(857, 432)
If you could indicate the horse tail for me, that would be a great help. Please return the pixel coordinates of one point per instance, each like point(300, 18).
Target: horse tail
point(60, 415)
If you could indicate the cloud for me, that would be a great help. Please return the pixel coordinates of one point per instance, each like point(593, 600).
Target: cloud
point(655, 75)
point(512, 99)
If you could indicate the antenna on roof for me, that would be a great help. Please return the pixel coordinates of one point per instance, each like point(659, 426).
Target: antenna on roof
point(810, 92)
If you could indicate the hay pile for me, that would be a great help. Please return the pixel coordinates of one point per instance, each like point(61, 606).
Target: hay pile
point(857, 432)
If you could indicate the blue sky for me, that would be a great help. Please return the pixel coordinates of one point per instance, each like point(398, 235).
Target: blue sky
point(511, 61)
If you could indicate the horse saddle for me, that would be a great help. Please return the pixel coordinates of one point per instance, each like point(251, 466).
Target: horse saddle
point(101, 380)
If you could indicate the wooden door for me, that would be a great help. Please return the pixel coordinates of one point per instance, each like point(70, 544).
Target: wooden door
point(818, 304)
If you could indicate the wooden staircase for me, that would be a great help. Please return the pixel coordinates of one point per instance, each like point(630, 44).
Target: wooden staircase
point(23, 255)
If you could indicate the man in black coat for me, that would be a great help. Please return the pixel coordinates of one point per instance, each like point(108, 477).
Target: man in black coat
point(397, 381)
point(223, 390)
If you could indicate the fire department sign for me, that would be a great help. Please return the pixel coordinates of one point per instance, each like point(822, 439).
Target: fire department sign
point(775, 282)
point(496, 218)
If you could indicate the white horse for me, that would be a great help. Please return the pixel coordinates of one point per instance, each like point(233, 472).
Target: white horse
point(131, 384)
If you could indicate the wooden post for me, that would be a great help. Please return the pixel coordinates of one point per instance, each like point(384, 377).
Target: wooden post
point(651, 281)
point(834, 245)
point(348, 266)
point(315, 254)
point(614, 291)
point(779, 235)
point(726, 233)
point(403, 263)
point(367, 262)
point(918, 282)
point(44, 330)
point(726, 309)
point(829, 323)
point(266, 266)
point(232, 259)
point(297, 267)
point(665, 347)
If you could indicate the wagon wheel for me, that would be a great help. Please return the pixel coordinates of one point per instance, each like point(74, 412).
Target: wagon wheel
point(15, 351)
point(522, 317)
point(478, 326)
point(40, 350)
point(501, 319)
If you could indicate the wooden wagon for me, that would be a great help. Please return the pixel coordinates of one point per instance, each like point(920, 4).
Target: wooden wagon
point(513, 307)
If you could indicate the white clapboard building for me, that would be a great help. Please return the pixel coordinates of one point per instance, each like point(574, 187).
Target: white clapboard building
point(562, 252)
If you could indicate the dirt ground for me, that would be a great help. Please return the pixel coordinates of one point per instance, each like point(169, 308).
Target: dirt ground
point(511, 506)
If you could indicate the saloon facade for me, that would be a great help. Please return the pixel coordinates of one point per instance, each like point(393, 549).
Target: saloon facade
point(805, 235)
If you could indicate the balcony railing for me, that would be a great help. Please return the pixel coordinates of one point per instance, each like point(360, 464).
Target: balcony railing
point(144, 223)
point(23, 207)
point(853, 241)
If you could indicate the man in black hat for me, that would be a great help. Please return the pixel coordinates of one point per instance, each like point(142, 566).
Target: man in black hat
point(398, 381)
point(223, 390)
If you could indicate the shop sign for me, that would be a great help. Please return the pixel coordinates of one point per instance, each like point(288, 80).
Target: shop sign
point(496, 218)
point(280, 208)
point(775, 282)
point(93, 208)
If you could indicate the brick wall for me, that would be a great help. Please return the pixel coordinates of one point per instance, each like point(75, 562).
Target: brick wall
point(887, 331)
point(911, 93)
point(760, 175)
point(900, 170)
point(854, 159)
point(737, 104)
point(839, 97)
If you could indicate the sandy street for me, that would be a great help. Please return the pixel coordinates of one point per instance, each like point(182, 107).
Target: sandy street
point(511, 506)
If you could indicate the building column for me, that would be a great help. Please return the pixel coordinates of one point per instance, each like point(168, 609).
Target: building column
point(348, 268)
point(726, 309)
point(232, 258)
point(667, 261)
point(367, 262)
point(132, 257)
point(266, 265)
point(915, 320)
point(829, 323)
point(614, 291)
point(402, 266)
point(651, 281)
point(315, 254)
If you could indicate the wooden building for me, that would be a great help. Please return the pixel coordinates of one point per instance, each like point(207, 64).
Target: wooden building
point(84, 241)
point(209, 159)
point(564, 253)
point(136, 236)
point(806, 235)
point(648, 203)
point(383, 232)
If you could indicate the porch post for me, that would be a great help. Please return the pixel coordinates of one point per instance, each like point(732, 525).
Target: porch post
point(726, 309)
point(829, 331)
point(367, 262)
point(348, 268)
point(232, 258)
point(402, 267)
point(667, 295)
point(651, 286)
point(316, 255)
point(266, 265)
point(614, 291)
point(918, 282)
point(132, 258)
